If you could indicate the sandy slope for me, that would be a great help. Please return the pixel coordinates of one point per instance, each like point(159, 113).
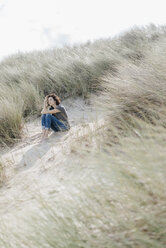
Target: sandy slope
point(28, 162)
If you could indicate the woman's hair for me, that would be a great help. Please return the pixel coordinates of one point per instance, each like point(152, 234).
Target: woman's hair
point(55, 97)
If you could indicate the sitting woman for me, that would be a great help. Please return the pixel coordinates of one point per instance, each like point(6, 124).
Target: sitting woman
point(54, 116)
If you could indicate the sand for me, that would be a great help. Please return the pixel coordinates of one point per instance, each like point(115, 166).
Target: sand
point(28, 163)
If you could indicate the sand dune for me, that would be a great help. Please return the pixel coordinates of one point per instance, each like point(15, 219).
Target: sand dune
point(26, 162)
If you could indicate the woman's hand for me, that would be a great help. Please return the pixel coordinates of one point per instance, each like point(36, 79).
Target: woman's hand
point(45, 107)
point(46, 101)
point(44, 112)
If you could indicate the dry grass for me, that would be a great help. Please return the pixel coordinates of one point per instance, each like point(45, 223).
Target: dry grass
point(71, 71)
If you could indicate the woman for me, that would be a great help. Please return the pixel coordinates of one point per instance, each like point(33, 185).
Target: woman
point(54, 116)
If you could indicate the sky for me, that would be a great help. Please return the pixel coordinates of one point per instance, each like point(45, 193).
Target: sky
point(28, 25)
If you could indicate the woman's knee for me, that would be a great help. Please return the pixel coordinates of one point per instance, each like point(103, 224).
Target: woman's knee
point(43, 117)
point(48, 115)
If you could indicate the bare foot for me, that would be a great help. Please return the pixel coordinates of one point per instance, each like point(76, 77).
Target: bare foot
point(47, 133)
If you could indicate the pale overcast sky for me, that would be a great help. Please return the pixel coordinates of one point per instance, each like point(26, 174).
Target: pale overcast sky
point(27, 25)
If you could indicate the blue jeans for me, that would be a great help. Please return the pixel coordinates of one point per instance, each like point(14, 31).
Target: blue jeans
point(50, 121)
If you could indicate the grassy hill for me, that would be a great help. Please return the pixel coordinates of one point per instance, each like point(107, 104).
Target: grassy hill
point(26, 78)
point(114, 189)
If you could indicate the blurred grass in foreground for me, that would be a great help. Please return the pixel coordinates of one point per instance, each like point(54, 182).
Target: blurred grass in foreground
point(113, 196)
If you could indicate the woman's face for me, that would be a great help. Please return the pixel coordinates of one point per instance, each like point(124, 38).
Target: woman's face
point(51, 101)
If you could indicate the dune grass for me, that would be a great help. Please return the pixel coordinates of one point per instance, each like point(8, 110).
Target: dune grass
point(71, 71)
point(10, 119)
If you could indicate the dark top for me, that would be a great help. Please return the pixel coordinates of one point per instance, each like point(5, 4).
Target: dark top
point(62, 115)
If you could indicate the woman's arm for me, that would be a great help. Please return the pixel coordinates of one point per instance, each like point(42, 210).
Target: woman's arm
point(53, 111)
point(45, 105)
